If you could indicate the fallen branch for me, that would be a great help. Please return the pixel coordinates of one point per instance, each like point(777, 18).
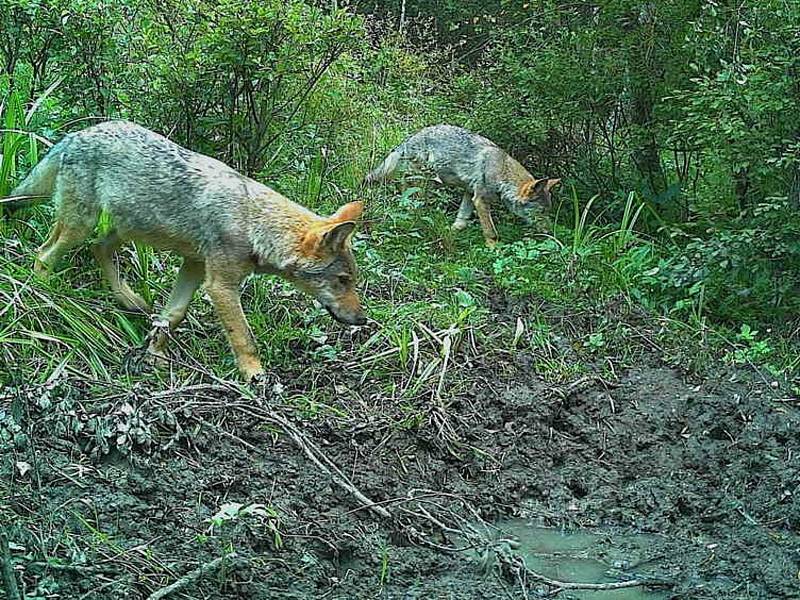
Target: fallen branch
point(319, 458)
point(75, 568)
point(515, 563)
point(518, 564)
point(580, 385)
point(7, 567)
point(506, 556)
point(190, 577)
point(316, 456)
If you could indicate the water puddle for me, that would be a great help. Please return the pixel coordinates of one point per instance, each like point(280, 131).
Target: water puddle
point(584, 557)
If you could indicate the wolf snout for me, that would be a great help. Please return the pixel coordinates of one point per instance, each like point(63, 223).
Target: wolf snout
point(359, 320)
point(347, 318)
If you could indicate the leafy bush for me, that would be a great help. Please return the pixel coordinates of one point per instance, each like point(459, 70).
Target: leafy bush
point(673, 123)
point(742, 273)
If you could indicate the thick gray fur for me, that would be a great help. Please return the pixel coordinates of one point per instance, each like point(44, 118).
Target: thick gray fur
point(465, 160)
point(151, 187)
point(224, 224)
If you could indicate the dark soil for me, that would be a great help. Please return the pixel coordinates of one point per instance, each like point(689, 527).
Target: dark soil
point(113, 490)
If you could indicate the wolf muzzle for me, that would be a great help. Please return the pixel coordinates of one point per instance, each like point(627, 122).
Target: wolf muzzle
point(355, 319)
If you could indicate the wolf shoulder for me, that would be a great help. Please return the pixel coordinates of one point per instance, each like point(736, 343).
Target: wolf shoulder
point(128, 154)
point(451, 137)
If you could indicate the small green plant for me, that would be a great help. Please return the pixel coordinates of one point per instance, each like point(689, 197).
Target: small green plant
point(751, 349)
point(624, 235)
point(264, 517)
point(403, 339)
point(595, 341)
point(582, 233)
point(384, 576)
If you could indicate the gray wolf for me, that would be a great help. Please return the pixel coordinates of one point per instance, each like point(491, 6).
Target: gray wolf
point(224, 225)
point(466, 160)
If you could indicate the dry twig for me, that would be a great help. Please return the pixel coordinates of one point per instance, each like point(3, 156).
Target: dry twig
point(318, 457)
point(190, 577)
point(7, 568)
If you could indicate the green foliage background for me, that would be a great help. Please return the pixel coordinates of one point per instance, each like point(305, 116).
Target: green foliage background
point(684, 113)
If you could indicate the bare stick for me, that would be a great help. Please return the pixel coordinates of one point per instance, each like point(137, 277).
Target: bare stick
point(316, 456)
point(581, 384)
point(513, 561)
point(9, 579)
point(617, 585)
point(338, 477)
point(517, 564)
point(190, 577)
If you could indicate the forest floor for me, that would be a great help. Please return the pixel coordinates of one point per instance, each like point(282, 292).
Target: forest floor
point(633, 471)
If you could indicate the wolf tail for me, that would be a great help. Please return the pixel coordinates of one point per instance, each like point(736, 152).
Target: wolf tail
point(39, 184)
point(386, 170)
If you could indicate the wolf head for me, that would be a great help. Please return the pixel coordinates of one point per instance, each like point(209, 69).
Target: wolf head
point(533, 199)
point(328, 270)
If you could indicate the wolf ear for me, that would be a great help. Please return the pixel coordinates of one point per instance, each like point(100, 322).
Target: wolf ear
point(349, 212)
point(540, 186)
point(334, 239)
point(552, 183)
point(326, 238)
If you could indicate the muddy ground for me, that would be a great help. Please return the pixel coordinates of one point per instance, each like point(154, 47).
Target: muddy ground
point(114, 492)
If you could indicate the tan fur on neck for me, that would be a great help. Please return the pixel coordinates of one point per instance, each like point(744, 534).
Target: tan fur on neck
point(524, 190)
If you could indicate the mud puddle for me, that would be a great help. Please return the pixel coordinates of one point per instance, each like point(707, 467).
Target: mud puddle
point(704, 473)
point(584, 557)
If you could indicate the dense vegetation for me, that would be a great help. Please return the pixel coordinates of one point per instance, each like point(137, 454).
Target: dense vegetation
point(631, 369)
point(674, 125)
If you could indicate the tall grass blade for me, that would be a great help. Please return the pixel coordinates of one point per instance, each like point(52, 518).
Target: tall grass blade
point(35, 106)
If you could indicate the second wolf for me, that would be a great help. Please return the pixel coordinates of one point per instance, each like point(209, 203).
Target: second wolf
point(466, 160)
point(225, 226)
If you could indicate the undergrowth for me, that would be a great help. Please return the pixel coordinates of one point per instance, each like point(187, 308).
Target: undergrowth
point(419, 279)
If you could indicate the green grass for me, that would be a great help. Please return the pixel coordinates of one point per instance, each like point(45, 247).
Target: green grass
point(418, 279)
point(424, 288)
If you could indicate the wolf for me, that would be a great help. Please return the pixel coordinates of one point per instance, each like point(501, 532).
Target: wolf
point(462, 159)
point(224, 225)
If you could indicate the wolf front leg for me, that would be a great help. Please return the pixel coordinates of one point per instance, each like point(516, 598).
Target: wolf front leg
point(481, 203)
point(222, 286)
point(464, 212)
point(189, 279)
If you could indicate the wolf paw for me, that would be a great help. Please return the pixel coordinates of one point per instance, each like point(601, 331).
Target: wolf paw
point(156, 357)
point(259, 380)
point(137, 362)
point(252, 371)
point(130, 300)
point(263, 386)
point(156, 351)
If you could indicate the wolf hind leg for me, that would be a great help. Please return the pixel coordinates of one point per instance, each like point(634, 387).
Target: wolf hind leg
point(52, 237)
point(464, 212)
point(62, 238)
point(387, 171)
point(189, 279)
point(76, 216)
point(104, 252)
point(485, 217)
